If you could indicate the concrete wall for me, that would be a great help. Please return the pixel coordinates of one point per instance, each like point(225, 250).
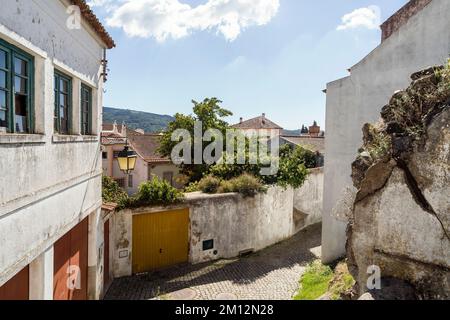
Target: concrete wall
point(355, 100)
point(236, 224)
point(48, 182)
point(308, 200)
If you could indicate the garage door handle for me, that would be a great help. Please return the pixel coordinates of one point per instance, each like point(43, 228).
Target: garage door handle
point(160, 250)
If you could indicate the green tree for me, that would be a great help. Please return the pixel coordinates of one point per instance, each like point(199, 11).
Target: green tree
point(294, 163)
point(304, 130)
point(212, 115)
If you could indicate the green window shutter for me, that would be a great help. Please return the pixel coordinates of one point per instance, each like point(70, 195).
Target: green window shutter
point(63, 103)
point(16, 89)
point(86, 110)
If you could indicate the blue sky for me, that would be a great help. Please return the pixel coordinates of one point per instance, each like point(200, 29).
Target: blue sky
point(275, 58)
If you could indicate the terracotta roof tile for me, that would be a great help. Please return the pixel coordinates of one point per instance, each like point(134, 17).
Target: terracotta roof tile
point(260, 122)
point(145, 145)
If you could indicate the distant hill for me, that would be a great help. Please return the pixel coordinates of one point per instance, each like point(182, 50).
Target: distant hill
point(292, 132)
point(149, 122)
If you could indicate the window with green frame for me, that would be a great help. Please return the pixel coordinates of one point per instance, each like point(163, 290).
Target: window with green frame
point(63, 103)
point(86, 110)
point(16, 89)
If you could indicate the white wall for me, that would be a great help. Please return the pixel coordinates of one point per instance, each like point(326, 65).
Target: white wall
point(358, 99)
point(308, 200)
point(239, 224)
point(48, 183)
point(236, 224)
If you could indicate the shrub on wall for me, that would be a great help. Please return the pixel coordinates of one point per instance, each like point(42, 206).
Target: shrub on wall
point(293, 165)
point(246, 184)
point(156, 192)
point(192, 187)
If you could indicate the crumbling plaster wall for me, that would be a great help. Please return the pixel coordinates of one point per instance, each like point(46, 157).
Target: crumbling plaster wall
point(49, 182)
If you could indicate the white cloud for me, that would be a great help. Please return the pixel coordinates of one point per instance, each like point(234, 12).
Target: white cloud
point(369, 18)
point(164, 19)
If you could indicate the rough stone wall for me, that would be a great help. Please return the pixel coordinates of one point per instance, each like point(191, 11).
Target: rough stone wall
point(401, 215)
point(424, 40)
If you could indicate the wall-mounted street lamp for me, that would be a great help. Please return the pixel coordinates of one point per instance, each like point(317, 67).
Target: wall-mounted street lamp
point(127, 160)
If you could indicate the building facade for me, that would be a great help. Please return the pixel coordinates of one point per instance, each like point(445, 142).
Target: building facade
point(149, 163)
point(259, 126)
point(51, 86)
point(415, 37)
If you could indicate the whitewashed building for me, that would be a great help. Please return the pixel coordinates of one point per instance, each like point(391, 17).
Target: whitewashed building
point(52, 64)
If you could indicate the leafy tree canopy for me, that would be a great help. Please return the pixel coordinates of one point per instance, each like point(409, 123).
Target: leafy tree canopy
point(211, 115)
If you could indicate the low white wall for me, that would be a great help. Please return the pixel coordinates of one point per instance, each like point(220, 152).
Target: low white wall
point(234, 223)
point(308, 200)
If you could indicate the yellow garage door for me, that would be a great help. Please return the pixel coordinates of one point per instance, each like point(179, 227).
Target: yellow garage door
point(160, 240)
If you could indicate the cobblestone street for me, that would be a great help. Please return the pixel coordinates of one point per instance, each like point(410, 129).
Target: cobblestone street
point(271, 274)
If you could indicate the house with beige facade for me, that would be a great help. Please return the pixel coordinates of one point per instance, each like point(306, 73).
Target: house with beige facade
point(149, 163)
point(54, 237)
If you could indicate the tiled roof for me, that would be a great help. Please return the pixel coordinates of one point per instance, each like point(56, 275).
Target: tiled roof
point(109, 206)
point(145, 145)
point(93, 21)
point(110, 127)
point(110, 138)
point(314, 144)
point(260, 122)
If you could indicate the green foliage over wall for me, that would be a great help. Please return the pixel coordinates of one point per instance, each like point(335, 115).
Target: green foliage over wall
point(112, 193)
point(149, 122)
point(154, 192)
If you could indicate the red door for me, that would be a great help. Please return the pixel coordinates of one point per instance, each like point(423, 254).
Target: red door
point(71, 264)
point(18, 287)
point(106, 277)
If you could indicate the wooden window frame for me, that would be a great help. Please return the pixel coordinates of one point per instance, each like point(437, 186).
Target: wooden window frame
point(57, 110)
point(83, 119)
point(11, 53)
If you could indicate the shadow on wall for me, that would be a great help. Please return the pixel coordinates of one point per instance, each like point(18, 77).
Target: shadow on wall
point(247, 270)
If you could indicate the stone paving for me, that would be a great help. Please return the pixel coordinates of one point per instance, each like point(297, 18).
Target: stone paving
point(271, 274)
